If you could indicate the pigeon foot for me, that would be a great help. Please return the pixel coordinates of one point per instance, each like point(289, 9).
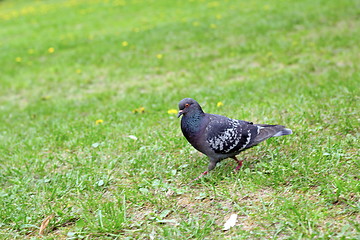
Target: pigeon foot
point(201, 175)
point(240, 162)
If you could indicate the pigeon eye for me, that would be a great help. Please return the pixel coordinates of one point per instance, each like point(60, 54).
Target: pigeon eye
point(186, 105)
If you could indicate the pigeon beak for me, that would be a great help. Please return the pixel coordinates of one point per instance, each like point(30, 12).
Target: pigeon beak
point(180, 113)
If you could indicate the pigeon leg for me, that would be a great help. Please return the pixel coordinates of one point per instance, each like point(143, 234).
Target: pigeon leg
point(240, 162)
point(211, 166)
point(204, 173)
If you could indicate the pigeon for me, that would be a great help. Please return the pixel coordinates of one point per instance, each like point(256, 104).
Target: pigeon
point(219, 137)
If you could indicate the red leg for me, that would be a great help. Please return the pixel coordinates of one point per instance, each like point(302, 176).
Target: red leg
point(240, 162)
point(204, 173)
point(211, 166)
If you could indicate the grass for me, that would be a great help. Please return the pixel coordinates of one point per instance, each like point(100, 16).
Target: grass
point(67, 64)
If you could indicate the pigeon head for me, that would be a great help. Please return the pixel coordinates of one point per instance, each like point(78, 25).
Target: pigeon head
point(188, 105)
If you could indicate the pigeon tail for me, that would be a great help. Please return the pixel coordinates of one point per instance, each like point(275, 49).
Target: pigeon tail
point(268, 131)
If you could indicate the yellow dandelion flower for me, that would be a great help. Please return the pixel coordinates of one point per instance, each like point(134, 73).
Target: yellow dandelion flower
point(45, 98)
point(18, 59)
point(218, 16)
point(219, 104)
point(124, 43)
point(139, 110)
point(99, 121)
point(51, 50)
point(78, 71)
point(31, 51)
point(172, 111)
point(213, 4)
point(15, 14)
point(159, 56)
point(213, 26)
point(195, 24)
point(119, 3)
point(311, 44)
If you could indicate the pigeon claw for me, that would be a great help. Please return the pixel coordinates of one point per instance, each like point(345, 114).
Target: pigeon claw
point(201, 175)
point(240, 162)
point(238, 166)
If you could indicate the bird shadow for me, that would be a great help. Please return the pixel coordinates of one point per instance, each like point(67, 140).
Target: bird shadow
point(226, 168)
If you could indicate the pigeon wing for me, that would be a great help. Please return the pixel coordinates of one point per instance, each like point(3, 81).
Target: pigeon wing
point(226, 136)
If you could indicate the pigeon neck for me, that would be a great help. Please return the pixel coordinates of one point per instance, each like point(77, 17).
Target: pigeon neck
point(193, 121)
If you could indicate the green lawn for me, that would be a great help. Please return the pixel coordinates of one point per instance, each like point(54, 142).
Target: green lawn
point(79, 77)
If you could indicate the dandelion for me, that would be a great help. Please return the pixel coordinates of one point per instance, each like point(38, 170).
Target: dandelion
point(31, 51)
point(266, 7)
point(218, 16)
point(45, 98)
point(195, 24)
point(213, 26)
point(219, 104)
point(213, 4)
point(124, 43)
point(99, 121)
point(82, 12)
point(78, 71)
point(159, 56)
point(51, 50)
point(139, 110)
point(119, 3)
point(172, 111)
point(18, 59)
point(14, 14)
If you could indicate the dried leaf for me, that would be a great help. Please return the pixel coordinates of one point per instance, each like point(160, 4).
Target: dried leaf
point(44, 224)
point(230, 222)
point(100, 183)
point(152, 235)
point(167, 221)
point(164, 214)
point(133, 137)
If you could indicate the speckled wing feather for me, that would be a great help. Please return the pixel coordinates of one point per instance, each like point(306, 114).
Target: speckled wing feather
point(225, 135)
